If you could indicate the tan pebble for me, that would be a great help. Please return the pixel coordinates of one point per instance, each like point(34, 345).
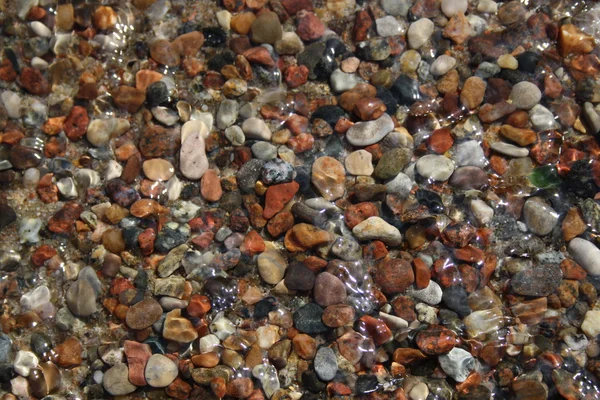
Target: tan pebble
point(158, 169)
point(104, 17)
point(359, 162)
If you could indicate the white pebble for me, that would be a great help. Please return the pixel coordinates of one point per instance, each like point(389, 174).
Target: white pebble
point(452, 7)
point(419, 32)
point(442, 65)
point(39, 63)
point(24, 362)
point(113, 170)
point(41, 29)
point(388, 26)
point(12, 103)
point(224, 19)
point(482, 211)
point(487, 6)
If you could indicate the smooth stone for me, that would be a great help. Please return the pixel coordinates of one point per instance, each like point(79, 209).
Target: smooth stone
point(165, 115)
point(452, 7)
point(308, 319)
point(388, 26)
point(326, 365)
point(40, 29)
point(341, 81)
point(235, 135)
point(192, 156)
point(289, 44)
point(143, 314)
point(375, 228)
point(100, 131)
point(542, 119)
point(228, 113)
point(271, 266)
point(255, 128)
point(370, 132)
point(160, 371)
point(193, 126)
point(266, 28)
point(539, 216)
point(400, 184)
point(113, 170)
point(509, 149)
point(392, 162)
point(264, 151)
point(465, 178)
point(431, 295)
point(586, 254)
point(458, 364)
point(24, 362)
point(158, 169)
point(442, 65)
point(116, 380)
point(469, 153)
point(397, 8)
point(12, 103)
point(591, 323)
point(482, 212)
point(329, 176)
point(435, 167)
point(328, 290)
point(487, 6)
point(508, 61)
point(419, 33)
point(525, 95)
point(420, 391)
point(359, 162)
point(81, 298)
point(36, 299)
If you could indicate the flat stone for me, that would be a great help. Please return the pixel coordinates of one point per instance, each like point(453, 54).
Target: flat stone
point(143, 314)
point(328, 290)
point(375, 228)
point(160, 371)
point(509, 149)
point(419, 33)
point(158, 169)
point(329, 177)
point(192, 157)
point(525, 95)
point(436, 167)
point(81, 298)
point(370, 132)
point(539, 216)
point(359, 162)
point(116, 380)
point(539, 281)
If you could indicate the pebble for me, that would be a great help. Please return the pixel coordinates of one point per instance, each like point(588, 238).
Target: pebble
point(264, 151)
point(307, 319)
point(509, 149)
point(435, 167)
point(469, 153)
point(193, 160)
point(359, 162)
point(400, 184)
point(458, 364)
point(586, 254)
point(326, 365)
point(289, 44)
point(465, 178)
point(227, 113)
point(473, 92)
point(431, 295)
point(12, 103)
point(542, 119)
point(81, 298)
point(144, 314)
point(388, 26)
point(255, 128)
point(482, 212)
point(328, 176)
point(442, 65)
point(266, 28)
point(451, 7)
point(329, 290)
point(40, 29)
point(158, 169)
point(375, 228)
point(100, 131)
point(419, 33)
point(160, 371)
point(116, 380)
point(524, 95)
point(541, 280)
point(420, 391)
point(487, 6)
point(539, 216)
point(24, 362)
point(271, 266)
point(370, 132)
point(591, 324)
point(508, 61)
point(397, 8)
point(341, 81)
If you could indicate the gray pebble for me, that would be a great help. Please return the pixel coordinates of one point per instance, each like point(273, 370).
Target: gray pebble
point(326, 365)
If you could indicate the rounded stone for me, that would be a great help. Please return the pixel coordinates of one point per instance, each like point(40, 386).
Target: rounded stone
point(539, 216)
point(325, 363)
point(525, 95)
point(436, 167)
point(143, 314)
point(116, 380)
point(271, 266)
point(160, 371)
point(158, 169)
point(419, 32)
point(329, 290)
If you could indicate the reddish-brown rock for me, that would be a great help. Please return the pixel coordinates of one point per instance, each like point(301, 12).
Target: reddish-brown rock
point(393, 275)
point(277, 196)
point(436, 340)
point(76, 123)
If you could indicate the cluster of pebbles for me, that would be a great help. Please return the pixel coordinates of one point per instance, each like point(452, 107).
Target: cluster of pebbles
point(299, 199)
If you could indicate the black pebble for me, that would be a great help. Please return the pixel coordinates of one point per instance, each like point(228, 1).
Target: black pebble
point(264, 307)
point(220, 60)
point(214, 36)
point(406, 90)
point(528, 61)
point(157, 94)
point(7, 215)
point(307, 319)
point(329, 114)
point(366, 384)
point(455, 297)
point(388, 99)
point(312, 382)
